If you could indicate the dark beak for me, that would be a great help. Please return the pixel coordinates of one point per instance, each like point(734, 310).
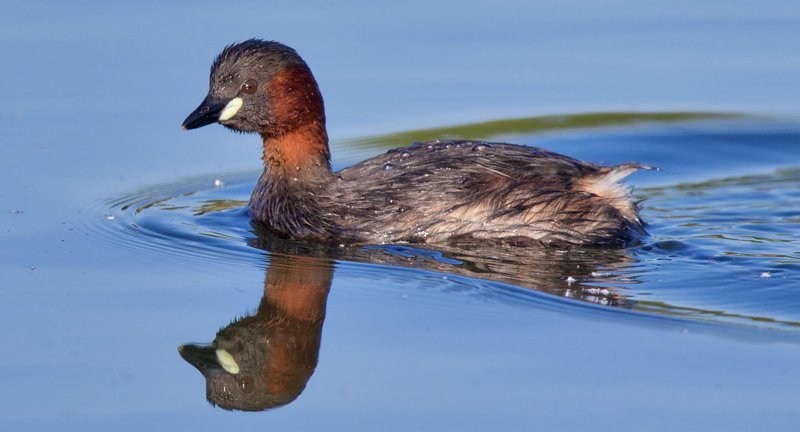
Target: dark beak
point(202, 357)
point(205, 114)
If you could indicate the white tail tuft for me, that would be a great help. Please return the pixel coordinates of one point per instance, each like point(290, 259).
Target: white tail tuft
point(607, 186)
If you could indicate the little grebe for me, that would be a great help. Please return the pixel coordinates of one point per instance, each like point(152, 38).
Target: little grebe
point(428, 192)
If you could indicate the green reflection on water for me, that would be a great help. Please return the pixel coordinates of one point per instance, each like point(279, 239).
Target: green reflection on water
point(530, 125)
point(700, 313)
point(218, 205)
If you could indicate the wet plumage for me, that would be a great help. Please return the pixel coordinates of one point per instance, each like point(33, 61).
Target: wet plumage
point(427, 192)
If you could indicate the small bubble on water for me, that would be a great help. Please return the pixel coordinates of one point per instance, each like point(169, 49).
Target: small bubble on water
point(110, 217)
point(388, 166)
point(765, 275)
point(571, 280)
point(598, 274)
point(219, 183)
point(16, 211)
point(32, 268)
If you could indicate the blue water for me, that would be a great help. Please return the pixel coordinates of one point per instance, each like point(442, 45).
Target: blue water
point(117, 245)
point(723, 243)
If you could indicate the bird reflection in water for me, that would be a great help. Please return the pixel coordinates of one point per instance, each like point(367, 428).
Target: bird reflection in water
point(264, 360)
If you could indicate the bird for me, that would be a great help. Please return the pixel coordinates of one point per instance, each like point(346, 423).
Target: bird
point(427, 192)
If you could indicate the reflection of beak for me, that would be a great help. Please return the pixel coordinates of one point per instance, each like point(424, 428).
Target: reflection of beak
point(208, 112)
point(202, 357)
point(207, 358)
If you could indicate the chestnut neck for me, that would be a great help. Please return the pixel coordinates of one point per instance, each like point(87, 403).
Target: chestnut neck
point(296, 141)
point(289, 197)
point(302, 153)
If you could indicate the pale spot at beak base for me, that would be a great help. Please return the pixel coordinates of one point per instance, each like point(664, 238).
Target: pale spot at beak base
point(227, 362)
point(231, 109)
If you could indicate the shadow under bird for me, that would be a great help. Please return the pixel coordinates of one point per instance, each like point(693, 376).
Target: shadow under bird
point(430, 192)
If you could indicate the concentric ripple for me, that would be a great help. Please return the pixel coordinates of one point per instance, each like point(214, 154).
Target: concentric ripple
point(202, 219)
point(725, 249)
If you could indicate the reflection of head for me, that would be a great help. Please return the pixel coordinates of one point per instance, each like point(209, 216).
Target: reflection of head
point(264, 361)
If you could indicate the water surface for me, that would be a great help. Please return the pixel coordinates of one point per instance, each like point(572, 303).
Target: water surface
point(117, 246)
point(721, 247)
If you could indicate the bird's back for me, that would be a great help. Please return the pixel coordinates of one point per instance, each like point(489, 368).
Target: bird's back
point(439, 190)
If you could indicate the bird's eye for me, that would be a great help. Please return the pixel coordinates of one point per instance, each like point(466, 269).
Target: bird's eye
point(249, 86)
point(246, 384)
